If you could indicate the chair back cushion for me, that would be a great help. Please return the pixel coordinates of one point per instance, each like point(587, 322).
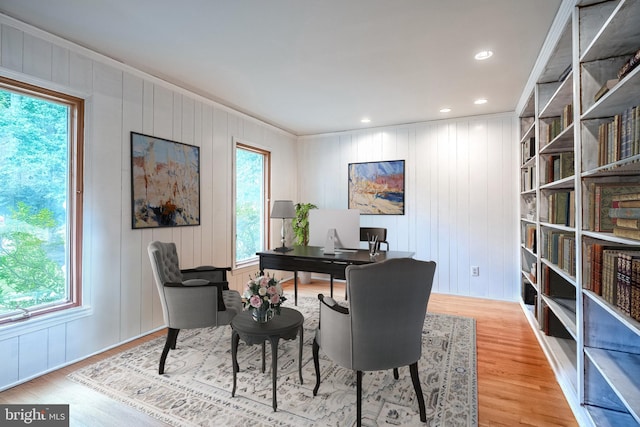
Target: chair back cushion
point(165, 262)
point(388, 304)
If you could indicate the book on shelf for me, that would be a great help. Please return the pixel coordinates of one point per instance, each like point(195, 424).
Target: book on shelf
point(559, 249)
point(554, 128)
point(635, 288)
point(626, 204)
point(561, 206)
point(627, 233)
point(605, 88)
point(629, 65)
point(600, 273)
point(609, 281)
point(530, 237)
point(631, 213)
point(619, 138)
point(567, 116)
point(556, 286)
point(612, 276)
point(528, 149)
point(560, 166)
point(625, 280)
point(601, 200)
point(630, 223)
point(528, 178)
point(552, 326)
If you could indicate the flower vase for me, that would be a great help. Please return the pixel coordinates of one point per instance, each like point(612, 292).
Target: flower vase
point(262, 315)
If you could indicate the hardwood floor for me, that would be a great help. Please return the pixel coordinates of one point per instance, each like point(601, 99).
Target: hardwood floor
point(516, 385)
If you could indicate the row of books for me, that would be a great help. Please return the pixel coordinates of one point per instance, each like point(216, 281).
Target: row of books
point(529, 236)
point(560, 249)
point(625, 215)
point(620, 138)
point(528, 178)
point(559, 166)
point(601, 198)
point(558, 288)
point(614, 273)
point(561, 208)
point(557, 124)
point(528, 149)
point(629, 65)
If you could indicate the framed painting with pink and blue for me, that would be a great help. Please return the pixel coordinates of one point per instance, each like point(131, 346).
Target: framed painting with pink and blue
point(165, 182)
point(377, 188)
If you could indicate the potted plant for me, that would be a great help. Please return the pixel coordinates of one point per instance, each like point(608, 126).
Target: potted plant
point(300, 225)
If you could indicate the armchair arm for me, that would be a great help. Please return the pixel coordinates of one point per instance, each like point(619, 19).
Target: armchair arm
point(186, 307)
point(334, 331)
point(332, 304)
point(198, 283)
point(207, 272)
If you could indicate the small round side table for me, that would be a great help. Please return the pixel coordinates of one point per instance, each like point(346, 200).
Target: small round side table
point(287, 325)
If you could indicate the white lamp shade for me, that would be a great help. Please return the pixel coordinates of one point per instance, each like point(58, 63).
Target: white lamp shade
point(283, 209)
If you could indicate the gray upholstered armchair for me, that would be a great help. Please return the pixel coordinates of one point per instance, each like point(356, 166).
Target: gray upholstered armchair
point(382, 328)
point(194, 298)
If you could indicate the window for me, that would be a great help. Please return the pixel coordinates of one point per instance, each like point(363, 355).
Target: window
point(40, 200)
point(251, 202)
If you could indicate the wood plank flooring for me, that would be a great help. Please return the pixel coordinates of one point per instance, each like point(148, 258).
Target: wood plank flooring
point(516, 385)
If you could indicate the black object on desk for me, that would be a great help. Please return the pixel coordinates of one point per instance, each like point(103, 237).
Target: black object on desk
point(286, 325)
point(313, 259)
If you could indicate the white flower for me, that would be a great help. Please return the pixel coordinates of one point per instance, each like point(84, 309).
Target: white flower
point(247, 294)
point(262, 291)
point(279, 289)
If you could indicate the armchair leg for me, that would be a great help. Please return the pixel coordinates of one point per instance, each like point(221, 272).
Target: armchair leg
point(396, 375)
point(359, 398)
point(172, 336)
point(416, 385)
point(175, 340)
point(316, 364)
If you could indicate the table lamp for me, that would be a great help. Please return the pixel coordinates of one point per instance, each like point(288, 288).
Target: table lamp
point(283, 209)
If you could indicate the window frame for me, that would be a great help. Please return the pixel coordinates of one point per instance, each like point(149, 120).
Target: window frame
point(266, 200)
point(75, 196)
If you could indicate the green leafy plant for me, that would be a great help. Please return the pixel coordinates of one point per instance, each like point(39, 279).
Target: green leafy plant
point(300, 223)
point(29, 247)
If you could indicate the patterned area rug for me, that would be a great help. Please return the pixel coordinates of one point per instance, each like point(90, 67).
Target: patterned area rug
point(196, 387)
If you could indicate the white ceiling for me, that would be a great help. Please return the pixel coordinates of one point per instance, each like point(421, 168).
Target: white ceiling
point(316, 66)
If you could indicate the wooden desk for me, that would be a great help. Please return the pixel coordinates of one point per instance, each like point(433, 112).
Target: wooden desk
point(313, 259)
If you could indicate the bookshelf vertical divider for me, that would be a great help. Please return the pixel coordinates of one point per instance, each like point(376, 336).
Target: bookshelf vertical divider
point(580, 156)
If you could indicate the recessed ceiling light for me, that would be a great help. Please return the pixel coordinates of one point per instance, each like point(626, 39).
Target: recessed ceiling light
point(365, 120)
point(480, 101)
point(445, 110)
point(485, 54)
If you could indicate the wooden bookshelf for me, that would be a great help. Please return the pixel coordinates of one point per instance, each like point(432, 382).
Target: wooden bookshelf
point(592, 341)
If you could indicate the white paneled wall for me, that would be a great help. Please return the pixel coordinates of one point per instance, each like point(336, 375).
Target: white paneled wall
point(460, 187)
point(117, 282)
point(461, 207)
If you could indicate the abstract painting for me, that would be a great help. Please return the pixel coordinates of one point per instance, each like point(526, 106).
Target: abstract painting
point(165, 182)
point(377, 188)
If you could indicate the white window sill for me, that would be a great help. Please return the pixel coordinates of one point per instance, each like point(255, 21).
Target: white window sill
point(44, 321)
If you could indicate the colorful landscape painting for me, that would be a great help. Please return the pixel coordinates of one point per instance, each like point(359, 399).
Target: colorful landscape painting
point(377, 188)
point(165, 181)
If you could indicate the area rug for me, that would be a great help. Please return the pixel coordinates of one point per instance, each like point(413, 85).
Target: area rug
point(196, 387)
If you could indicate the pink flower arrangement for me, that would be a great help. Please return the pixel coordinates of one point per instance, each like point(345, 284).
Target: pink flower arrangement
point(263, 293)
